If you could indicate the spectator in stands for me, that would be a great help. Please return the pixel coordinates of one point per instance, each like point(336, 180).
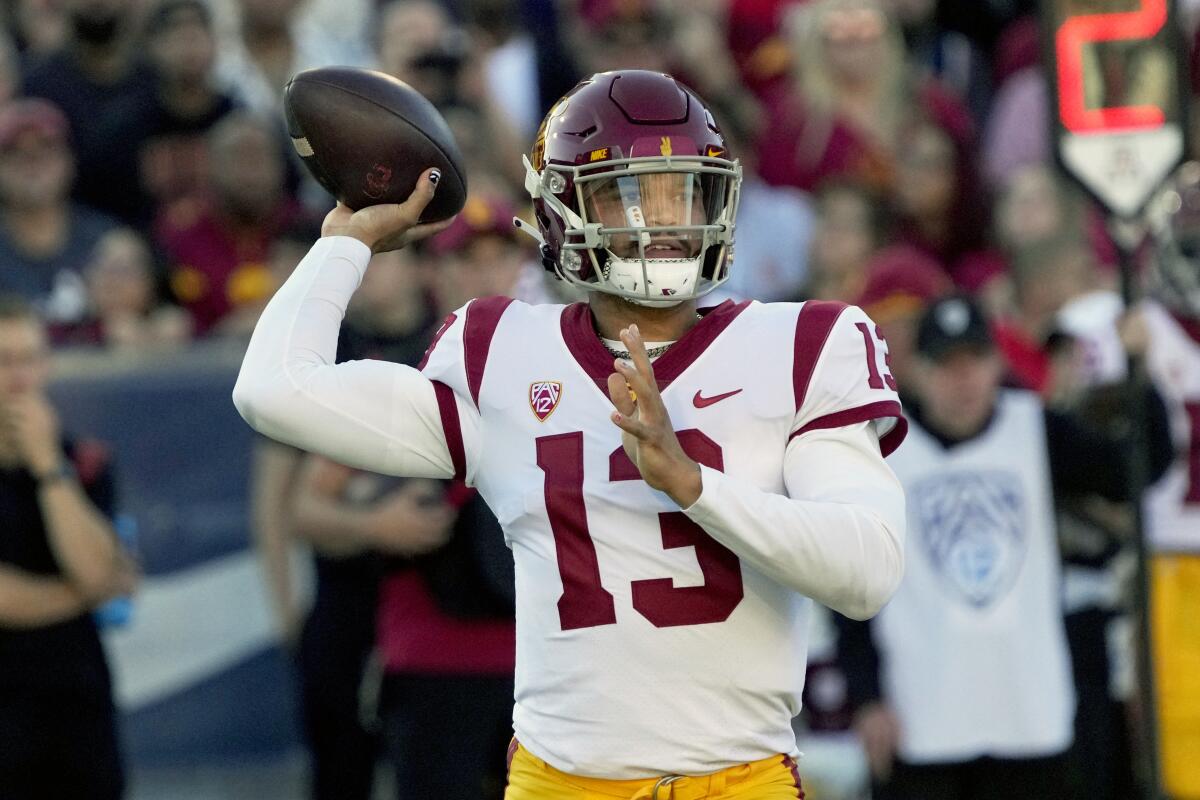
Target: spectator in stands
point(621, 35)
point(272, 45)
point(684, 39)
point(849, 98)
point(483, 161)
point(947, 55)
point(776, 225)
point(1034, 205)
point(758, 44)
point(96, 71)
point(447, 641)
point(349, 22)
point(353, 521)
point(446, 636)
point(45, 238)
point(421, 45)
point(38, 27)
point(963, 683)
point(849, 230)
point(1017, 133)
point(124, 308)
point(59, 559)
point(901, 283)
point(1046, 276)
point(218, 248)
point(157, 150)
point(481, 254)
point(939, 206)
point(507, 56)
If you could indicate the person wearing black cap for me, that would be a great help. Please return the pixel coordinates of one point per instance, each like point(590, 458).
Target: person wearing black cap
point(963, 683)
point(46, 239)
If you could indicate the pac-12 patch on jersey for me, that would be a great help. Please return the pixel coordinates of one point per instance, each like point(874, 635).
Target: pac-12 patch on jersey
point(544, 397)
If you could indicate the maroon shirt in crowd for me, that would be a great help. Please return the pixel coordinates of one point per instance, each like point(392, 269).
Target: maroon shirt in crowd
point(217, 266)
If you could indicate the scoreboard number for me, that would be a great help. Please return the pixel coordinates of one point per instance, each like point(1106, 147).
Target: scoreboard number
point(1120, 116)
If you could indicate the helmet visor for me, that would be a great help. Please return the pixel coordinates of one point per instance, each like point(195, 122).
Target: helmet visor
point(655, 215)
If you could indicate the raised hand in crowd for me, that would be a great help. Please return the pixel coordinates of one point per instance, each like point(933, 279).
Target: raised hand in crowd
point(412, 519)
point(343, 512)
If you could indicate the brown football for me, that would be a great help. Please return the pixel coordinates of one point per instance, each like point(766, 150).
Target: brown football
point(367, 137)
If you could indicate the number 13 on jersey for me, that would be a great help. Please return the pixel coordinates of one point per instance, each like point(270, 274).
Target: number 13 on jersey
point(585, 603)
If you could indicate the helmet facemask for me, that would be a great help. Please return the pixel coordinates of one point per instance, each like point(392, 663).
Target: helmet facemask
point(654, 230)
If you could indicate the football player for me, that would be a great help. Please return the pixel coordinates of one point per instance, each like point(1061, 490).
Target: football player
point(1173, 504)
point(677, 485)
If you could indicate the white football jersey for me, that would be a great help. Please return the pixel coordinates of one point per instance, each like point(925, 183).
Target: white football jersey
point(645, 647)
point(1173, 504)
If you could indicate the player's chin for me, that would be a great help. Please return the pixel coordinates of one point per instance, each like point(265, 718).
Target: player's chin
point(657, 254)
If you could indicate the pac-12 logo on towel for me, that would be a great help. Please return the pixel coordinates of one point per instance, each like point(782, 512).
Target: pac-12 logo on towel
point(972, 530)
point(544, 397)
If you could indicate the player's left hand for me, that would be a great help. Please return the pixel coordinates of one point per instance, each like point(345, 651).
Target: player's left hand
point(647, 434)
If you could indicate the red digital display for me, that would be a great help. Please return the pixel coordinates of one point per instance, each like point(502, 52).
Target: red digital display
point(1072, 36)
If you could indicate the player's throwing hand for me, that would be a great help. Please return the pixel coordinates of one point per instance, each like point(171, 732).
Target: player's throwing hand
point(647, 434)
point(390, 226)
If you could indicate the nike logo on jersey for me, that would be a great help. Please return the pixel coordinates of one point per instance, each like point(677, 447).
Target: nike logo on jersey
point(704, 402)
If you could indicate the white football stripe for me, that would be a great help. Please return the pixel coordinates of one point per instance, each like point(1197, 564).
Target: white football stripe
point(189, 626)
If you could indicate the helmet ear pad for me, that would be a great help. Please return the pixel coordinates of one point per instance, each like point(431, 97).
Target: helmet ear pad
point(554, 231)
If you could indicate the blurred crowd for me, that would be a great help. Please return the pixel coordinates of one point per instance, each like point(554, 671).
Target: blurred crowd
point(150, 197)
point(895, 152)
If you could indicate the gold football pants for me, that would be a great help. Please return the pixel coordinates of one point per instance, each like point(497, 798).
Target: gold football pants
point(530, 778)
point(1176, 619)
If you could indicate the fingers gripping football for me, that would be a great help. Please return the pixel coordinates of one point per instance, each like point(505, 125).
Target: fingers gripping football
point(390, 226)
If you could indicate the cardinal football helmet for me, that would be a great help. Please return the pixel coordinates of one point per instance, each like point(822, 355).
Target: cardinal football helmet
point(633, 189)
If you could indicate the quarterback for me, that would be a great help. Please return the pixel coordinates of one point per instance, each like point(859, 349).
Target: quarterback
point(677, 485)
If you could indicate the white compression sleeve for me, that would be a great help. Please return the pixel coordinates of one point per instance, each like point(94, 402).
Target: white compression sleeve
point(839, 535)
point(374, 415)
